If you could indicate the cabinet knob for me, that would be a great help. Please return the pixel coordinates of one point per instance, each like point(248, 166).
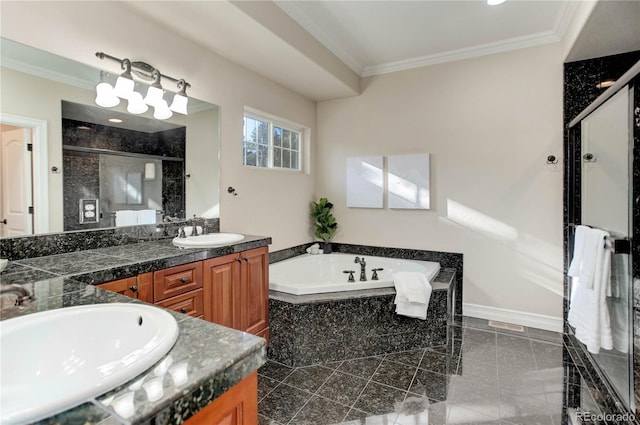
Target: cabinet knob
point(183, 279)
point(134, 288)
point(183, 310)
point(246, 259)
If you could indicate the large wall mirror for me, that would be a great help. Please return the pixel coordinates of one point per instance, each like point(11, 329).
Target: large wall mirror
point(66, 165)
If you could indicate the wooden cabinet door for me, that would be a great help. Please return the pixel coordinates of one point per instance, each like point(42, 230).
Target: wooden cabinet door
point(221, 276)
point(139, 287)
point(238, 406)
point(254, 291)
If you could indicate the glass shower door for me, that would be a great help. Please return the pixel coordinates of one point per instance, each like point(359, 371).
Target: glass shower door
point(606, 204)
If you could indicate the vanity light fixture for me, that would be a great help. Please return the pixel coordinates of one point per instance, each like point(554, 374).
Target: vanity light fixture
point(154, 93)
point(180, 100)
point(124, 84)
point(125, 89)
point(105, 93)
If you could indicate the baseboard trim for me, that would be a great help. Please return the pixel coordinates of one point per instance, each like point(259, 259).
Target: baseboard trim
point(531, 320)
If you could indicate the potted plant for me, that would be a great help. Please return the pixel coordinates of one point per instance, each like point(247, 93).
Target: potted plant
point(325, 225)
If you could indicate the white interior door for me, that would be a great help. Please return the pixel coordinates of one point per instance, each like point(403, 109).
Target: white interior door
point(15, 183)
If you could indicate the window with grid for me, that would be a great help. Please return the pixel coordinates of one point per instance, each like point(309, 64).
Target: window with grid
point(269, 144)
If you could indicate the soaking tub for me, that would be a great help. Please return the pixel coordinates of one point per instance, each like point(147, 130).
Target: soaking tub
point(321, 273)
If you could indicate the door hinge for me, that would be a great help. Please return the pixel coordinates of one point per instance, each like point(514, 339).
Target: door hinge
point(30, 147)
point(30, 210)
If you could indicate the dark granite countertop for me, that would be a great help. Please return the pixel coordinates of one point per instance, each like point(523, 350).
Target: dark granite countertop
point(206, 360)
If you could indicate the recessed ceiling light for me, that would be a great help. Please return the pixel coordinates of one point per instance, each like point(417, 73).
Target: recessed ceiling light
point(495, 2)
point(115, 120)
point(604, 84)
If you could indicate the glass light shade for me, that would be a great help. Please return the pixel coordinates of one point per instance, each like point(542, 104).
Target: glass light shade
point(162, 111)
point(136, 104)
point(124, 87)
point(154, 96)
point(179, 104)
point(105, 96)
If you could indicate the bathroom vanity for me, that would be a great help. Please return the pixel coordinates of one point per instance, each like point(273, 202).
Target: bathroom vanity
point(209, 376)
point(231, 290)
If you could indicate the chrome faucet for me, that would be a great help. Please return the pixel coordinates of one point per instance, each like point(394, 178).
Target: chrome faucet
point(181, 233)
point(363, 265)
point(20, 291)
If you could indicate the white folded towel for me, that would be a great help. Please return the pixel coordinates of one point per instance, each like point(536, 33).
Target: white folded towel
point(413, 292)
point(126, 218)
point(578, 250)
point(146, 216)
point(591, 284)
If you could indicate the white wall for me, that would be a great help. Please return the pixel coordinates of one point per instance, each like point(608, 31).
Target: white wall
point(77, 30)
point(489, 124)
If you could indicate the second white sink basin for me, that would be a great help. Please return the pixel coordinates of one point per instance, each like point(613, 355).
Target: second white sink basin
point(208, 241)
point(57, 359)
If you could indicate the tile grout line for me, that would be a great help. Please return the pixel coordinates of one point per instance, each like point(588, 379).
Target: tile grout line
point(312, 394)
point(363, 388)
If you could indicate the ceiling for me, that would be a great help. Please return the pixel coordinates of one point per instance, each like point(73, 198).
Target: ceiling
point(374, 37)
point(322, 48)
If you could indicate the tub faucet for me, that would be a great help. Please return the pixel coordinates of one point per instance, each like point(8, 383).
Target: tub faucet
point(20, 291)
point(363, 265)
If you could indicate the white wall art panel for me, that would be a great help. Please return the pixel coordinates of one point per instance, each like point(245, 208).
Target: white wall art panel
point(408, 181)
point(365, 182)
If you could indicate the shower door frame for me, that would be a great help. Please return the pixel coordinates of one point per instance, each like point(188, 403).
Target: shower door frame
point(574, 213)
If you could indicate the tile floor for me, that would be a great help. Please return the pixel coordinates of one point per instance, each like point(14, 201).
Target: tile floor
point(488, 376)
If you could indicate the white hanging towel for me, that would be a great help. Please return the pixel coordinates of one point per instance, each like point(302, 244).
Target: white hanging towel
point(413, 292)
point(591, 284)
point(146, 216)
point(126, 218)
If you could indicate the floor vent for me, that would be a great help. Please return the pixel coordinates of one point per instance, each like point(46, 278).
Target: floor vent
point(508, 326)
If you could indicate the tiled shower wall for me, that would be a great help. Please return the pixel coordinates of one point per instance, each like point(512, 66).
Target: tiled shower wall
point(81, 170)
point(580, 79)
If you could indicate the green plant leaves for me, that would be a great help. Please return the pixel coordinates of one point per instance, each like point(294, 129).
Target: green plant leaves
point(325, 225)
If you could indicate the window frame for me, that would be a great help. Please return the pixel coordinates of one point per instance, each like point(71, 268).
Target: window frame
point(273, 122)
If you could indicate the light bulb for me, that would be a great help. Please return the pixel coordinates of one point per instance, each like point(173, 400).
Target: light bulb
point(154, 96)
point(124, 87)
point(162, 111)
point(179, 104)
point(136, 104)
point(105, 95)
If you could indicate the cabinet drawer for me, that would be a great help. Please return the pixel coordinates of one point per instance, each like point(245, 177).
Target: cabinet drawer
point(189, 303)
point(176, 280)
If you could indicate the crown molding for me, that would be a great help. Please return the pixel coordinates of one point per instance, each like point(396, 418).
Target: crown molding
point(326, 39)
point(565, 16)
point(465, 53)
point(561, 24)
point(41, 72)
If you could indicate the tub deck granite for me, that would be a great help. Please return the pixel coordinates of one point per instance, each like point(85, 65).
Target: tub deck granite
point(206, 360)
point(326, 327)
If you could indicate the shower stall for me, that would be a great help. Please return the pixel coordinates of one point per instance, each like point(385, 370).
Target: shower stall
point(603, 193)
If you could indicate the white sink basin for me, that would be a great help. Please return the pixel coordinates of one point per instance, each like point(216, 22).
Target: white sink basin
point(57, 359)
point(207, 241)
